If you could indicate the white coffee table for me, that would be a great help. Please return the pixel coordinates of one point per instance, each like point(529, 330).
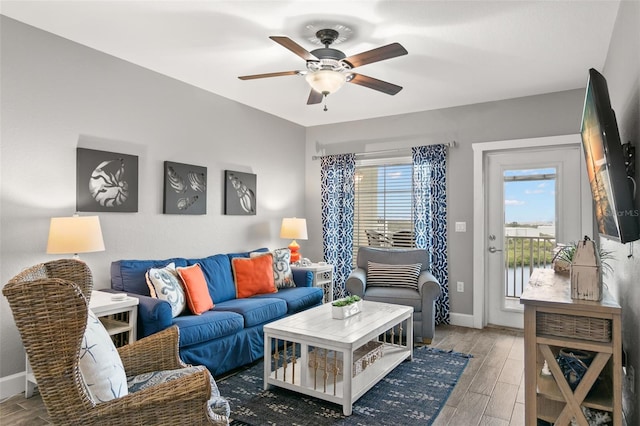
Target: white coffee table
point(314, 328)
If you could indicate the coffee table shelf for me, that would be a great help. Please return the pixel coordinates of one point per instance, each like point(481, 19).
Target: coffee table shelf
point(314, 328)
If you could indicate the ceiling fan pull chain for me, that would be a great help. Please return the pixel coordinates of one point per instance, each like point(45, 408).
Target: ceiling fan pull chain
point(325, 102)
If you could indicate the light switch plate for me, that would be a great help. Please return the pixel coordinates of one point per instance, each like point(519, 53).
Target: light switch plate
point(461, 226)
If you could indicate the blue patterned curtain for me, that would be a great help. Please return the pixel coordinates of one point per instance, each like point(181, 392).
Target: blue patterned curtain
point(430, 215)
point(338, 192)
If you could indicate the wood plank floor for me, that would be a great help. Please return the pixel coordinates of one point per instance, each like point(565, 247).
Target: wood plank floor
point(490, 392)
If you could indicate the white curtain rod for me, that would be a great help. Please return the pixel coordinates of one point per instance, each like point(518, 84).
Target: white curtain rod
point(451, 144)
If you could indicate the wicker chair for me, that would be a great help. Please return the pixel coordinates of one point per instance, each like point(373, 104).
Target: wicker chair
point(50, 302)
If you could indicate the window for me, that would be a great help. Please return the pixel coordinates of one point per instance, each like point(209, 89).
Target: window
point(383, 213)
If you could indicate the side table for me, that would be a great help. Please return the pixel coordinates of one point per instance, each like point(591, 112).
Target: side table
point(120, 319)
point(322, 277)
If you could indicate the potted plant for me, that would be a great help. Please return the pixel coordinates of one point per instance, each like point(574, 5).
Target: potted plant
point(564, 256)
point(346, 307)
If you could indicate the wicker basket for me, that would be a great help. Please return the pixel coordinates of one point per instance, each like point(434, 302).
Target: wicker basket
point(363, 357)
point(573, 326)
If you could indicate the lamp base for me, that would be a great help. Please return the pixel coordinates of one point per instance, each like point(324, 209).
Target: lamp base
point(295, 251)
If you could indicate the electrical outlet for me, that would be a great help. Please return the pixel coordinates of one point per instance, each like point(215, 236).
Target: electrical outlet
point(631, 379)
point(460, 287)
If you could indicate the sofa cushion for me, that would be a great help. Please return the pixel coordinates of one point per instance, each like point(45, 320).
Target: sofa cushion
point(385, 275)
point(217, 271)
point(395, 295)
point(282, 274)
point(195, 288)
point(165, 284)
point(253, 275)
point(128, 275)
point(298, 298)
point(216, 404)
point(255, 310)
point(210, 325)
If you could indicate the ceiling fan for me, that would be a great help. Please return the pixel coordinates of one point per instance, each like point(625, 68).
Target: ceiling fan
point(328, 68)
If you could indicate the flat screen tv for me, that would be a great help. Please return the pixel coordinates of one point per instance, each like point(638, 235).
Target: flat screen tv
point(612, 190)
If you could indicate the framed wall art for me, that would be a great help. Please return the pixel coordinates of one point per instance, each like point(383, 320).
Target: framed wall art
point(185, 189)
point(106, 181)
point(240, 193)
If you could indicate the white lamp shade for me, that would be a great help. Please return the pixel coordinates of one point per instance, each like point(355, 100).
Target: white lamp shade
point(294, 228)
point(76, 234)
point(326, 81)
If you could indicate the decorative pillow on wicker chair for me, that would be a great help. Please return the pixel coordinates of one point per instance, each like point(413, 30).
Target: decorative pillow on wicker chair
point(383, 275)
point(165, 284)
point(217, 404)
point(100, 364)
point(282, 274)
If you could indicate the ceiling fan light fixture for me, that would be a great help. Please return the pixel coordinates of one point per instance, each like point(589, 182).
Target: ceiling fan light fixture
point(326, 81)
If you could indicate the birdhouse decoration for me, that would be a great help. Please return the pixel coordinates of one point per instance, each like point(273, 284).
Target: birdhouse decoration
point(586, 272)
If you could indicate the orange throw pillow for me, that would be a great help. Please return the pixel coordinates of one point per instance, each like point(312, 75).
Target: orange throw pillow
point(253, 275)
point(195, 288)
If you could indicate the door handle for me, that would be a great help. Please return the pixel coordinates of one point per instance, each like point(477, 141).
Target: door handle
point(492, 249)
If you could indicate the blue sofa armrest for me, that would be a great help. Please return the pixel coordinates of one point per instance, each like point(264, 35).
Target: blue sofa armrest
point(154, 315)
point(302, 278)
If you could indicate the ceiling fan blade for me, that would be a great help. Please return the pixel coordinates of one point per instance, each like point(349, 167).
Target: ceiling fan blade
point(314, 98)
point(375, 84)
point(294, 47)
point(379, 54)
point(271, 74)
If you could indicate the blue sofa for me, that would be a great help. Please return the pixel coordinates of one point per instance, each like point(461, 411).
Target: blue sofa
point(228, 336)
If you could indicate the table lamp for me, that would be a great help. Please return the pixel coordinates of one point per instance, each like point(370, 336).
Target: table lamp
point(296, 228)
point(75, 234)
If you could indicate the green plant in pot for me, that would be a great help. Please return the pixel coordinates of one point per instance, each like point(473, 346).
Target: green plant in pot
point(346, 301)
point(563, 258)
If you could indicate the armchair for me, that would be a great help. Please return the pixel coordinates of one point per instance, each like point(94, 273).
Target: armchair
point(50, 303)
point(422, 300)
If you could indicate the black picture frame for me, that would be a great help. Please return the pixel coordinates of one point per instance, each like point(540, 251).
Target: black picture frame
point(106, 181)
point(240, 193)
point(185, 189)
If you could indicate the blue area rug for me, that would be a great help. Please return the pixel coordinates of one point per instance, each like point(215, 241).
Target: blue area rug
point(414, 392)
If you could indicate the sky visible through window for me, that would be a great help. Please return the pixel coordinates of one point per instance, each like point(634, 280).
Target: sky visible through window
point(530, 201)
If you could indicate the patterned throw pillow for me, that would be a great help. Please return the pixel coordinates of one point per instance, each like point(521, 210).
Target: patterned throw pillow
point(100, 364)
point(164, 284)
point(383, 275)
point(282, 274)
point(217, 404)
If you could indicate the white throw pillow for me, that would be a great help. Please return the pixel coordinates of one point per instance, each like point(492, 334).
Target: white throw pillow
point(282, 274)
point(100, 363)
point(165, 284)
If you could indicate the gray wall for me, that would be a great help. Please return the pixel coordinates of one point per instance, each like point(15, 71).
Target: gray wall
point(622, 71)
point(58, 95)
point(536, 116)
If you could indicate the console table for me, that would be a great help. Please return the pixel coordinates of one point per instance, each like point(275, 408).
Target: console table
point(553, 320)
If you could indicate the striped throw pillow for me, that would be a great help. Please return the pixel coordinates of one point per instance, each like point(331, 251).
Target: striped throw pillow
point(383, 275)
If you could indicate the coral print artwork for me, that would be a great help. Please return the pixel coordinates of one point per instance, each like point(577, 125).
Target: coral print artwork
point(240, 193)
point(106, 181)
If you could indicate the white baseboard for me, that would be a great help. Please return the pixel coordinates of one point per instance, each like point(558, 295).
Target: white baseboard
point(462, 320)
point(12, 385)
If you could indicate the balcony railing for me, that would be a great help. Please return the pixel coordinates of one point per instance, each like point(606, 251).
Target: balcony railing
point(521, 256)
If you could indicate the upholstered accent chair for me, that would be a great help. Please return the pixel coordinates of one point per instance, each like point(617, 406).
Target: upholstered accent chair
point(419, 291)
point(50, 305)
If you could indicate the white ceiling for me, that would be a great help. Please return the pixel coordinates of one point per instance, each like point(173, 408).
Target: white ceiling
point(459, 52)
